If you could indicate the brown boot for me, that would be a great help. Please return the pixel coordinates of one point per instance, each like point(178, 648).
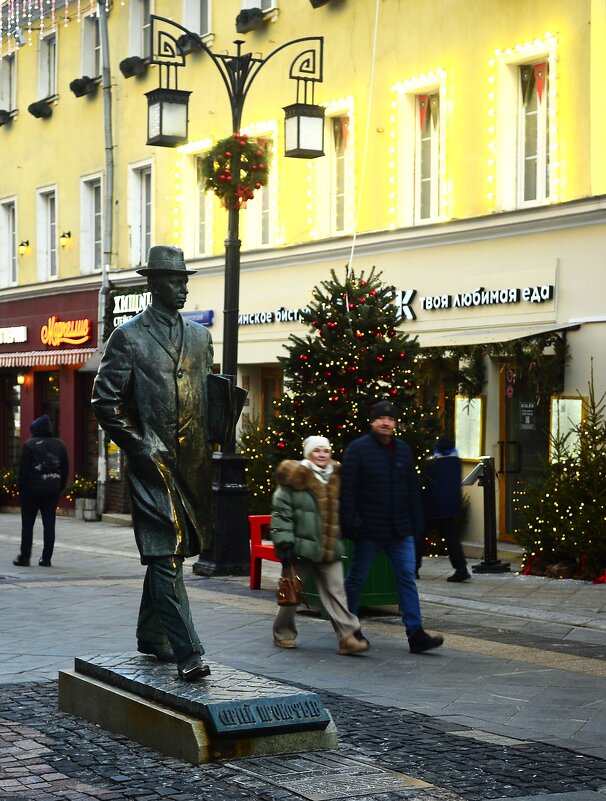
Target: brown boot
point(351, 646)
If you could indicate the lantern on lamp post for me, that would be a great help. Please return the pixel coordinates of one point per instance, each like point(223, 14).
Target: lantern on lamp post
point(167, 116)
point(229, 553)
point(303, 131)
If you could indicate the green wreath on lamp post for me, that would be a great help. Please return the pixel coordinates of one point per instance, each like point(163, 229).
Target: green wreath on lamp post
point(236, 191)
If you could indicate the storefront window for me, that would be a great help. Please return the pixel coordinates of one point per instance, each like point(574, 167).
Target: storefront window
point(50, 396)
point(90, 431)
point(11, 393)
point(271, 390)
point(437, 390)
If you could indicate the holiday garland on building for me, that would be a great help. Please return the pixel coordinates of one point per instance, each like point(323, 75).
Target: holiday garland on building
point(352, 357)
point(235, 168)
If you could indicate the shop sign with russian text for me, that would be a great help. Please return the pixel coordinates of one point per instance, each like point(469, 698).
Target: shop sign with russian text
point(65, 332)
point(488, 297)
point(13, 334)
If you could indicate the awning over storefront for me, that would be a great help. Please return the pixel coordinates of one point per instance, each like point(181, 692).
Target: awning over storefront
point(92, 364)
point(481, 336)
point(45, 358)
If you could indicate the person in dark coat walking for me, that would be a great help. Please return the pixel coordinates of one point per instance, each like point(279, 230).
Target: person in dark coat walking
point(43, 472)
point(381, 510)
point(442, 502)
point(150, 397)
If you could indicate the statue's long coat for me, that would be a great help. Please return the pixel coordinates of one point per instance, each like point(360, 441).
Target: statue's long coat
point(151, 401)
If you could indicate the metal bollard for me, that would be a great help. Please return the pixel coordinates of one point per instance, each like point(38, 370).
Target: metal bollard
point(484, 474)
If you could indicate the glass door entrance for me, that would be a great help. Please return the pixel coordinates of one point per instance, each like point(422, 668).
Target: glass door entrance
point(523, 448)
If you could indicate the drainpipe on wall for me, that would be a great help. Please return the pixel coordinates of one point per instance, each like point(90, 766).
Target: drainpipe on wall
point(108, 216)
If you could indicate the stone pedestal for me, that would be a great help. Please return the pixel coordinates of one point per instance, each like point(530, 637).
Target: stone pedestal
point(228, 715)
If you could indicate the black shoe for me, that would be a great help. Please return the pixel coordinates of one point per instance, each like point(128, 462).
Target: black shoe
point(45, 563)
point(21, 561)
point(421, 641)
point(359, 636)
point(193, 668)
point(459, 575)
point(163, 653)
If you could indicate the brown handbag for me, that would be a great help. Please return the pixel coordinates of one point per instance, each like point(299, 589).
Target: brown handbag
point(290, 588)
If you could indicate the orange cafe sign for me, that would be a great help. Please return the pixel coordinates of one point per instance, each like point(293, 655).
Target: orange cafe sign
point(65, 332)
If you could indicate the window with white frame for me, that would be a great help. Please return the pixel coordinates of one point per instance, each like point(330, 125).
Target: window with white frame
point(339, 136)
point(91, 229)
point(47, 66)
point(91, 46)
point(417, 166)
point(8, 238)
point(203, 228)
point(260, 217)
point(330, 203)
point(264, 5)
point(427, 157)
point(197, 16)
point(523, 126)
point(140, 28)
point(47, 234)
point(140, 212)
point(533, 133)
point(8, 83)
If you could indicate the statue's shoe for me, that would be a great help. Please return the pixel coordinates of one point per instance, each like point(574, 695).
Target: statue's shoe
point(193, 668)
point(161, 652)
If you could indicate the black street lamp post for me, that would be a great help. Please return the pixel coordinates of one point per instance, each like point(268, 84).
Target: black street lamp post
point(229, 553)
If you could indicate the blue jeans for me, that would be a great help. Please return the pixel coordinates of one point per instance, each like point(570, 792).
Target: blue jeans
point(402, 555)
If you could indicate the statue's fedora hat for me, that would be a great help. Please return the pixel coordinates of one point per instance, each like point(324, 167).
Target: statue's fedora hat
point(165, 260)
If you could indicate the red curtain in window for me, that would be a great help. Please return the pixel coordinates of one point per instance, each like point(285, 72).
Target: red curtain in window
point(423, 101)
point(540, 75)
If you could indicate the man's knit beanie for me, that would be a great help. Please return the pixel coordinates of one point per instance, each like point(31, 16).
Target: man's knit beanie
point(384, 409)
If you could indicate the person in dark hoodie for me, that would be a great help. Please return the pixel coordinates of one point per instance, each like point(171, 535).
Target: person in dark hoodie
point(381, 510)
point(305, 532)
point(43, 472)
point(443, 503)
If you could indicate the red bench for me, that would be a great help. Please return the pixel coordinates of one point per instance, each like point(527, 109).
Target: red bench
point(259, 550)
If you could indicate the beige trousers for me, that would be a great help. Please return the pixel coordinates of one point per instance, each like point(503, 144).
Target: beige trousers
point(329, 582)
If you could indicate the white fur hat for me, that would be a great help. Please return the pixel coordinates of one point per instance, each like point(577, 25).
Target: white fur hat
point(311, 443)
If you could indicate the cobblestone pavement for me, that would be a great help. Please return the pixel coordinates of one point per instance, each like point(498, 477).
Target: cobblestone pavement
point(49, 756)
point(513, 705)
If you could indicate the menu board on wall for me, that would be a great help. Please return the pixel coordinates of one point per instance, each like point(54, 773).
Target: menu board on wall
point(469, 426)
point(565, 424)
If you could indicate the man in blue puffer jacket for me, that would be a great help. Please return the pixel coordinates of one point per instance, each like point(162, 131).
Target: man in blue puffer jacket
point(381, 509)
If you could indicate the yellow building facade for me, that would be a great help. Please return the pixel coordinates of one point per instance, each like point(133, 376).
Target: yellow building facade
point(463, 157)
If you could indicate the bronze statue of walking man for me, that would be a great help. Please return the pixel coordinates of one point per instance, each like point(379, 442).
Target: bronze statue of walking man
point(150, 396)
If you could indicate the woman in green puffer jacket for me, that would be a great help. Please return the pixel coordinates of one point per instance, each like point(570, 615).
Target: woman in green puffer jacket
point(305, 533)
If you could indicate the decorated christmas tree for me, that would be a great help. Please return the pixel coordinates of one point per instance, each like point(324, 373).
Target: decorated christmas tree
point(564, 533)
point(352, 357)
